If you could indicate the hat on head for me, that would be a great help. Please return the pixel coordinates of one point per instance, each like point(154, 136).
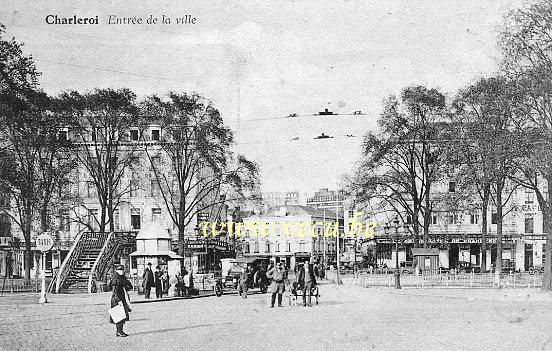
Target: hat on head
point(119, 267)
point(149, 263)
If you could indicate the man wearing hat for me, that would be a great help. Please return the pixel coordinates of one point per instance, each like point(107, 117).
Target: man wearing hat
point(307, 281)
point(148, 280)
point(277, 287)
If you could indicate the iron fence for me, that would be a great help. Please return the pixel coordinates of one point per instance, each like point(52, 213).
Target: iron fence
point(443, 280)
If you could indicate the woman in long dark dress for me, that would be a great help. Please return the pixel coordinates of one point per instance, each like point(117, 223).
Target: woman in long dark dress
point(120, 285)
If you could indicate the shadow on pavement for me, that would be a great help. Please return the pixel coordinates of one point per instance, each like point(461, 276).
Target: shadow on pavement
point(182, 328)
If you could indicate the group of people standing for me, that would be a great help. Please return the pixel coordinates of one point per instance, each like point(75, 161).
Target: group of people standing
point(301, 279)
point(152, 279)
point(159, 280)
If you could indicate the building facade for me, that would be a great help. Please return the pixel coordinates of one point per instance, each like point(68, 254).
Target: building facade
point(138, 201)
point(291, 234)
point(457, 234)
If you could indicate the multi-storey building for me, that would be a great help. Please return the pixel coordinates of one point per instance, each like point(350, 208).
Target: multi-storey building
point(139, 201)
point(457, 233)
point(291, 234)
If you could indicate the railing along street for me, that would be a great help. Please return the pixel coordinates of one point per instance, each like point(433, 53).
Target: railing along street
point(443, 280)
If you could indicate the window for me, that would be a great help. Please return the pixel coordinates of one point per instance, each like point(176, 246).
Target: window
point(494, 218)
point(93, 134)
point(135, 220)
point(134, 186)
point(288, 246)
point(175, 187)
point(134, 135)
point(474, 218)
point(156, 215)
point(529, 196)
point(256, 250)
point(302, 246)
point(408, 219)
point(434, 219)
point(277, 246)
point(4, 198)
point(65, 222)
point(453, 218)
point(267, 246)
point(155, 133)
point(155, 191)
point(155, 163)
point(529, 223)
point(90, 189)
point(116, 220)
point(452, 187)
point(247, 248)
point(92, 220)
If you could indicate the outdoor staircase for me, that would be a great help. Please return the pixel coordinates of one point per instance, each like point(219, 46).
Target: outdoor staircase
point(89, 259)
point(77, 269)
point(77, 280)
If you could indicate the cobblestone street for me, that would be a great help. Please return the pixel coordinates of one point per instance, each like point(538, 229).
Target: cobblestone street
point(347, 318)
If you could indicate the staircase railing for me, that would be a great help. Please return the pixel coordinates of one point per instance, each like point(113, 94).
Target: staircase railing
point(53, 281)
point(103, 260)
point(69, 261)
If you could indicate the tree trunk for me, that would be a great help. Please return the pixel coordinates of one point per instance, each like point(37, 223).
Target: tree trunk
point(416, 225)
point(29, 260)
point(484, 225)
point(181, 231)
point(499, 187)
point(547, 276)
point(427, 215)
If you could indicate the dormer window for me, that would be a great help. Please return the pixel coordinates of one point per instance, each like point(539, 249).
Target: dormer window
point(155, 134)
point(134, 134)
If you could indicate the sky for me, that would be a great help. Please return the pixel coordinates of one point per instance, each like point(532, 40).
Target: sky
point(259, 61)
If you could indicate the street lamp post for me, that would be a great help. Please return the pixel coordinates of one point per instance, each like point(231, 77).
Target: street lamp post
point(397, 268)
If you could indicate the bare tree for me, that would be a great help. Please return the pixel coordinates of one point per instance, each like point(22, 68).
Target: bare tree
point(202, 174)
point(402, 162)
point(485, 116)
point(100, 125)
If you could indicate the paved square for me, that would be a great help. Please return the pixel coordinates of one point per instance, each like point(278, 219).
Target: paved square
point(348, 318)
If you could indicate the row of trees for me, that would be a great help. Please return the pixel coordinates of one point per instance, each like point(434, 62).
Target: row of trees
point(192, 162)
point(492, 137)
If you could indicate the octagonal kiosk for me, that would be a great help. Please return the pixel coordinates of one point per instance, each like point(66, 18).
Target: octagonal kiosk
point(153, 245)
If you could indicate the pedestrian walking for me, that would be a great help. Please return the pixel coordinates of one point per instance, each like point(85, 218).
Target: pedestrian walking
point(277, 286)
point(148, 281)
point(244, 281)
point(119, 284)
point(158, 282)
point(307, 280)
